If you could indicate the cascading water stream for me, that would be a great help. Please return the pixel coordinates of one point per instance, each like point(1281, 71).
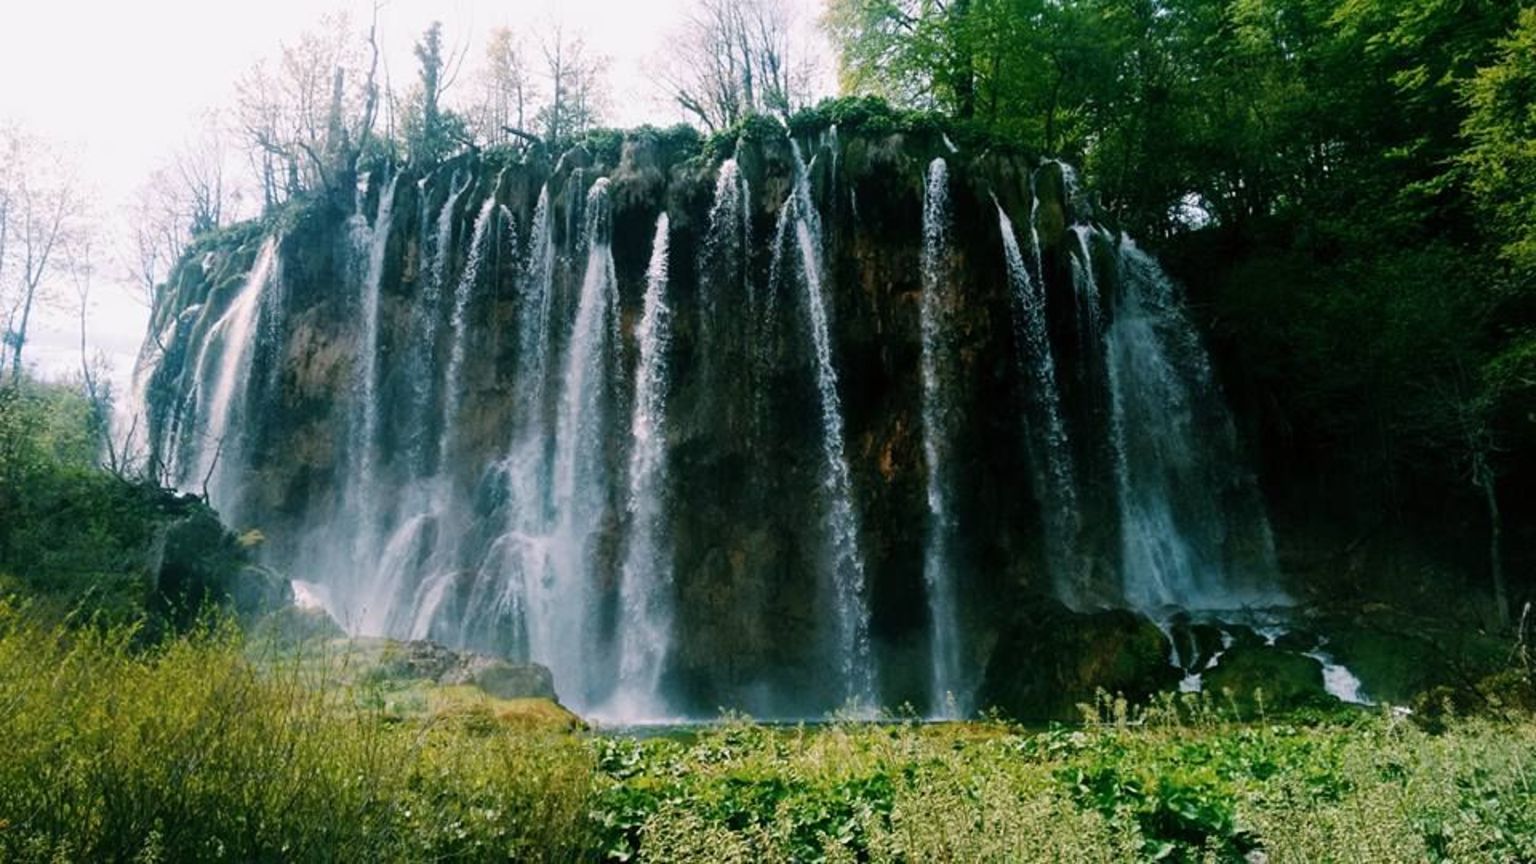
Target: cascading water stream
point(1085, 284)
point(453, 385)
point(533, 326)
point(436, 273)
point(235, 334)
point(433, 590)
point(363, 505)
point(730, 341)
point(847, 563)
point(563, 627)
point(645, 587)
point(1191, 537)
point(949, 694)
point(724, 244)
point(1050, 449)
point(399, 588)
point(517, 561)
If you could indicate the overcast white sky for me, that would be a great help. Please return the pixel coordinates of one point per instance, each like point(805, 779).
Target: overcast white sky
point(120, 83)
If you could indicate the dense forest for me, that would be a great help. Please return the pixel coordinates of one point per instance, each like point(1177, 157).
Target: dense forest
point(326, 579)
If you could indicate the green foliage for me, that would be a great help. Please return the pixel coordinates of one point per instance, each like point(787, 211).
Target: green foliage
point(190, 750)
point(79, 541)
point(753, 127)
point(605, 145)
point(1500, 128)
point(864, 113)
point(187, 753)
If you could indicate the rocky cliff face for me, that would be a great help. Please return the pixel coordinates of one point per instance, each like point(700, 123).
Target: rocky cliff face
point(434, 401)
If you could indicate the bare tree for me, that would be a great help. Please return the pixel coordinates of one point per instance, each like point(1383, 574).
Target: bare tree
point(159, 234)
point(80, 264)
point(42, 211)
point(187, 196)
point(303, 115)
point(734, 58)
point(371, 94)
point(507, 91)
point(9, 168)
point(199, 168)
point(576, 87)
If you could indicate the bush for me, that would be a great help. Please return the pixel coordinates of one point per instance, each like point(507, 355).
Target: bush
point(76, 540)
point(185, 752)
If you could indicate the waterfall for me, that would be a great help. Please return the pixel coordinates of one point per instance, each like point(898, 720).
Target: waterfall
point(678, 528)
point(847, 564)
point(1085, 287)
point(645, 587)
point(1035, 251)
point(724, 244)
point(435, 272)
point(230, 342)
point(939, 381)
point(1193, 530)
point(453, 386)
point(730, 354)
point(363, 471)
point(517, 561)
point(1049, 448)
point(562, 629)
point(534, 312)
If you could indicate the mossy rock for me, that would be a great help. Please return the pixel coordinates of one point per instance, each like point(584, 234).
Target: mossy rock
point(1397, 660)
point(1196, 642)
point(506, 680)
point(291, 626)
point(1285, 680)
point(477, 712)
point(200, 563)
point(1051, 659)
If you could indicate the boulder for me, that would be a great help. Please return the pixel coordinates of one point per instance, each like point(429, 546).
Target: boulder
point(293, 625)
point(422, 660)
point(257, 590)
point(1287, 680)
point(503, 679)
point(1050, 659)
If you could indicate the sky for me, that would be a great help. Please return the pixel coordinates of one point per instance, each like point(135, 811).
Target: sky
point(117, 85)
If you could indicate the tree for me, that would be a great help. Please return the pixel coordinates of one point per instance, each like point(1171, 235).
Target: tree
point(431, 130)
point(199, 167)
point(1500, 159)
point(574, 83)
point(507, 91)
point(186, 196)
point(304, 115)
point(93, 367)
point(891, 48)
point(42, 213)
point(733, 59)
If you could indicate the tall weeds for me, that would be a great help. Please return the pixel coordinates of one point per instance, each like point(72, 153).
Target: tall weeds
point(186, 752)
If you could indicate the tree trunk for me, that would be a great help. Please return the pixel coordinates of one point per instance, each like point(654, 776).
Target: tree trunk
point(19, 337)
point(1482, 475)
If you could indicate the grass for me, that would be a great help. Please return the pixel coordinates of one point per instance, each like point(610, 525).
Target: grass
point(207, 748)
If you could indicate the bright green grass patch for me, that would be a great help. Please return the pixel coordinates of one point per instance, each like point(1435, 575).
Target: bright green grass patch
point(206, 748)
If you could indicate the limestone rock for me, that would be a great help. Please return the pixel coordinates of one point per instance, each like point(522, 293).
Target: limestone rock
point(429, 661)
